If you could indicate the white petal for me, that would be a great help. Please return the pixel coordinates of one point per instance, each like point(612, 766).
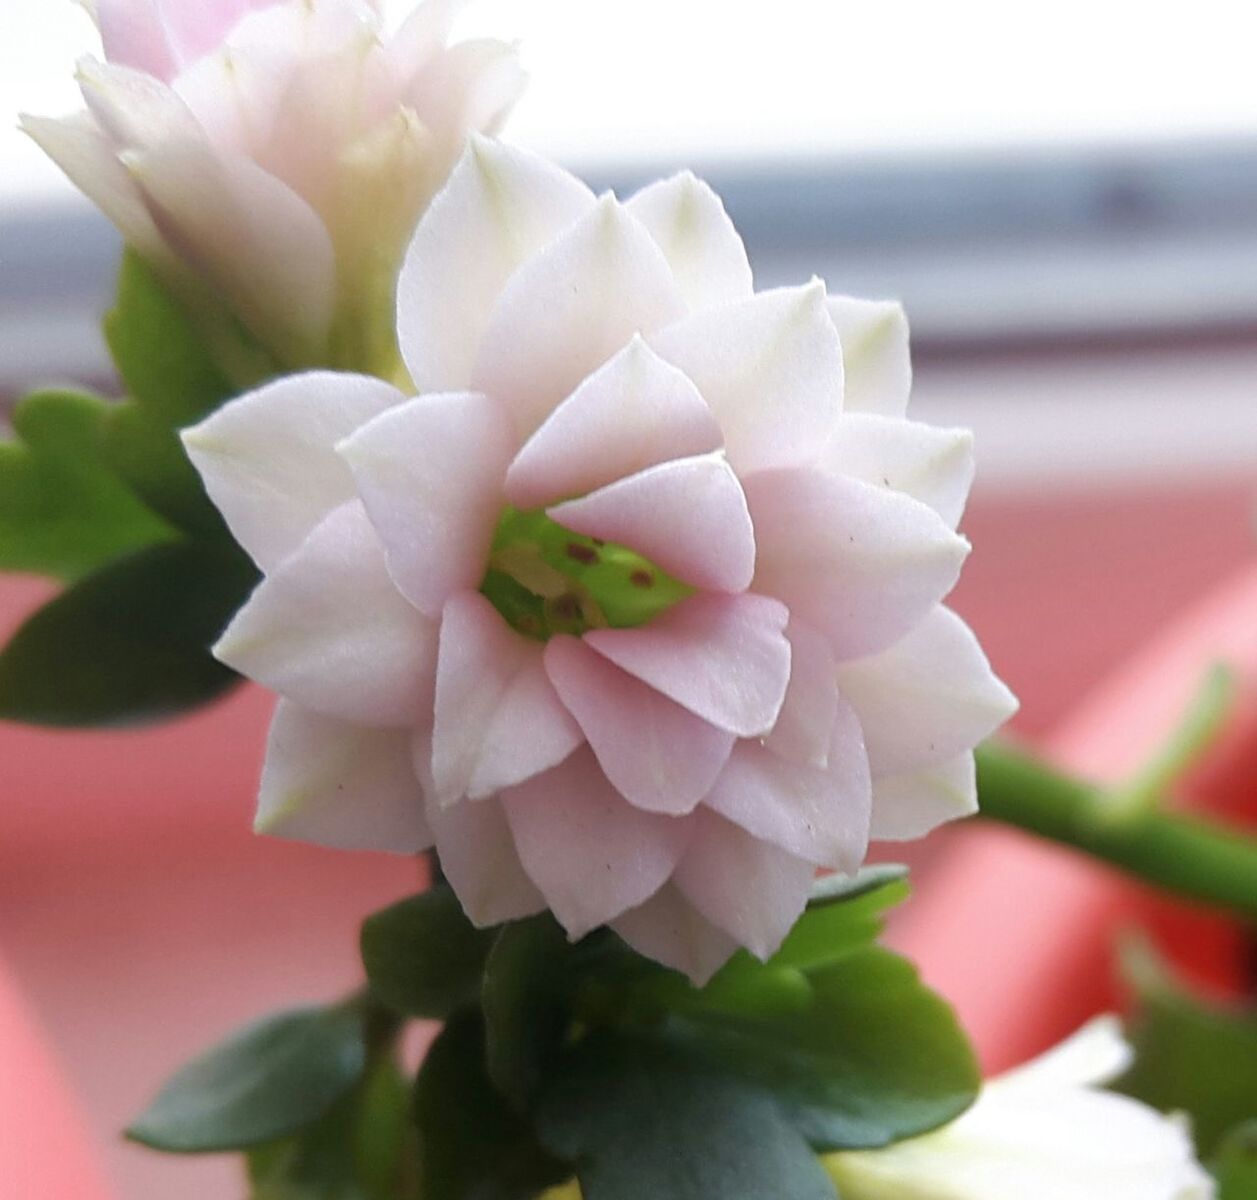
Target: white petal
point(927, 698)
point(688, 516)
point(1093, 1056)
point(472, 86)
point(499, 720)
point(669, 929)
point(632, 413)
point(660, 757)
point(499, 207)
point(874, 336)
point(771, 369)
point(907, 807)
point(694, 232)
point(570, 308)
point(860, 563)
point(268, 458)
point(805, 724)
point(430, 472)
point(817, 814)
point(753, 890)
point(925, 462)
point(340, 785)
point(329, 630)
point(725, 658)
point(137, 110)
point(592, 854)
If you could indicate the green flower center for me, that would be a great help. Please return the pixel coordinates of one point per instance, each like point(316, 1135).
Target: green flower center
point(545, 579)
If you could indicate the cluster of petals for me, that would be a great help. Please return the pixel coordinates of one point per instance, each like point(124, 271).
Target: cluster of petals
point(270, 158)
point(1043, 1131)
point(611, 365)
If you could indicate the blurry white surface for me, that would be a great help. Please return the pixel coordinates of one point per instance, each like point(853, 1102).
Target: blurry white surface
point(678, 79)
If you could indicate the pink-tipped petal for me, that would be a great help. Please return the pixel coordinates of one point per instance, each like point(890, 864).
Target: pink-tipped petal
point(771, 369)
point(634, 412)
point(570, 308)
point(499, 720)
point(725, 658)
point(135, 109)
point(929, 697)
point(500, 206)
point(688, 221)
point(430, 472)
point(753, 890)
point(858, 562)
point(688, 516)
point(134, 35)
point(329, 630)
point(659, 756)
point(874, 335)
point(804, 726)
point(925, 462)
point(817, 814)
point(268, 458)
point(669, 929)
point(340, 785)
point(907, 807)
point(592, 854)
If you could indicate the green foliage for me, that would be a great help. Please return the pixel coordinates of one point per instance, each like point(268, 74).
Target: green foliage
point(128, 643)
point(1190, 1057)
point(269, 1081)
point(423, 957)
point(473, 1144)
point(1236, 1164)
point(63, 510)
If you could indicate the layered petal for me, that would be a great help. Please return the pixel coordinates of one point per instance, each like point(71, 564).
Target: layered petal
point(770, 368)
point(499, 720)
point(925, 462)
point(688, 516)
point(909, 806)
point(592, 855)
point(500, 206)
point(430, 472)
point(634, 412)
point(268, 458)
point(161, 36)
point(659, 756)
point(805, 724)
point(860, 563)
point(689, 223)
point(329, 630)
point(569, 308)
point(725, 658)
point(341, 785)
point(874, 335)
point(927, 698)
point(669, 929)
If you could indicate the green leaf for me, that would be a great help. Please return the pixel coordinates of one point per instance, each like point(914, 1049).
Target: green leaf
point(471, 1142)
point(1189, 1056)
point(423, 957)
point(267, 1082)
point(639, 1121)
point(63, 509)
point(128, 643)
point(1236, 1164)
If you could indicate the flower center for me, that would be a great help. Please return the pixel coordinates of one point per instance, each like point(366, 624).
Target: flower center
point(545, 579)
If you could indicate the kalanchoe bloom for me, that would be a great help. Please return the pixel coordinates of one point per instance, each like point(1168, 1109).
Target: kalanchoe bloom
point(643, 589)
point(270, 159)
point(1040, 1133)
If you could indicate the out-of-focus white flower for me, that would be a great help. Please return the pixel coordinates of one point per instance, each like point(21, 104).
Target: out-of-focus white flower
point(1043, 1132)
point(273, 157)
point(644, 587)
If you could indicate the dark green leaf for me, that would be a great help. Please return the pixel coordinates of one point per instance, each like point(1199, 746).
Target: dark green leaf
point(472, 1144)
point(1236, 1164)
point(63, 509)
point(841, 919)
point(423, 956)
point(639, 1121)
point(1189, 1056)
point(267, 1082)
point(130, 642)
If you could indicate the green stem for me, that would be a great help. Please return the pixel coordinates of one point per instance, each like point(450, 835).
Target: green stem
point(1202, 860)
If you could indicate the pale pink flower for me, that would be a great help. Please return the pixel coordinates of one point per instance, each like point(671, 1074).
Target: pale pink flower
point(273, 157)
point(644, 587)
